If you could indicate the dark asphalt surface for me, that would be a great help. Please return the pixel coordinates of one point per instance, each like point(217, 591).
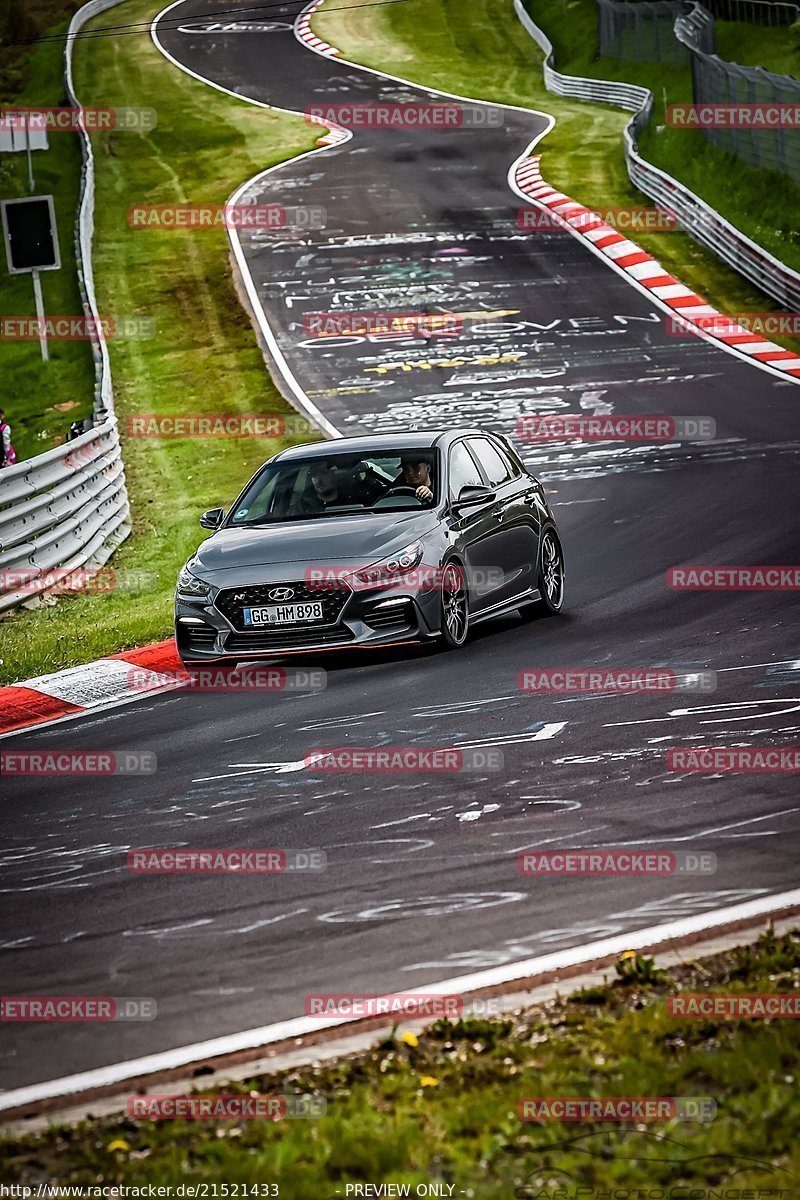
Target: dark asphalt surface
point(422, 883)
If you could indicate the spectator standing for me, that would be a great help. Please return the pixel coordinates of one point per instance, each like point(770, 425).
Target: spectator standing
point(7, 455)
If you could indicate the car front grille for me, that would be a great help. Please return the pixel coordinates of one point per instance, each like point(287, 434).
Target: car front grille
point(295, 638)
point(231, 601)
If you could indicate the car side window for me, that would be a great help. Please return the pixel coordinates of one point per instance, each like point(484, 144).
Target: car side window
point(496, 465)
point(463, 471)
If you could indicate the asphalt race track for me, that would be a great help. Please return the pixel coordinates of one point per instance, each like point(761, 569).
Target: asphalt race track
point(422, 881)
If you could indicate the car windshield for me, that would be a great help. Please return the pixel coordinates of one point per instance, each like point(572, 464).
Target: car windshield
point(340, 485)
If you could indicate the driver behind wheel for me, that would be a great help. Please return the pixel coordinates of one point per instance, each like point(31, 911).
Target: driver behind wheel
point(416, 472)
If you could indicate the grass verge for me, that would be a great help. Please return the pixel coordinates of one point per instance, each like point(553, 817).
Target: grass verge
point(443, 1106)
point(42, 399)
point(481, 50)
point(204, 356)
point(776, 48)
point(758, 202)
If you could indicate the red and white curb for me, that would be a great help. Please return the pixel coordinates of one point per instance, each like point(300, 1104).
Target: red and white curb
point(132, 674)
point(304, 32)
point(335, 135)
point(648, 271)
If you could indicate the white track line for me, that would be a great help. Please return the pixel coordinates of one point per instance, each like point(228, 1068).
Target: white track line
point(307, 406)
point(252, 1039)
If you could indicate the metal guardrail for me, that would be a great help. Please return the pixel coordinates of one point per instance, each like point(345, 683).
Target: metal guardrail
point(67, 509)
point(697, 30)
point(700, 221)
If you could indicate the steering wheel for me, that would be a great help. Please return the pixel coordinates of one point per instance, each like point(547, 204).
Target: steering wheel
point(402, 491)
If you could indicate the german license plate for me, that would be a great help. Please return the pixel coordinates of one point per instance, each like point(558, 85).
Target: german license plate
point(283, 614)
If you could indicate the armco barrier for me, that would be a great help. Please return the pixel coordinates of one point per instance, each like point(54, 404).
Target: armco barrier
point(716, 81)
point(702, 222)
point(67, 509)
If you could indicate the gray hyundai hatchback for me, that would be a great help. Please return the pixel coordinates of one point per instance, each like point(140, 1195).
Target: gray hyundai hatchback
point(368, 542)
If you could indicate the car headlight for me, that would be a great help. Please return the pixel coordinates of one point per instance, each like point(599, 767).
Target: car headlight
point(390, 570)
point(190, 585)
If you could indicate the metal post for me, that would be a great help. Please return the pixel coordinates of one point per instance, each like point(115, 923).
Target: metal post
point(37, 292)
point(30, 155)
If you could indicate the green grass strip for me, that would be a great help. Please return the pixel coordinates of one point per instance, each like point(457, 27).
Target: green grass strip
point(443, 1107)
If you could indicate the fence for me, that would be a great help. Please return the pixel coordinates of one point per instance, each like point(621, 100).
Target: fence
point(715, 81)
point(67, 509)
point(701, 221)
point(754, 12)
point(640, 32)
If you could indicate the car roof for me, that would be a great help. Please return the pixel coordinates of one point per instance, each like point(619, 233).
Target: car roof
point(422, 439)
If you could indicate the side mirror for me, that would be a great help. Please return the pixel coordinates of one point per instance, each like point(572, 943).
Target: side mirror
point(472, 495)
point(213, 518)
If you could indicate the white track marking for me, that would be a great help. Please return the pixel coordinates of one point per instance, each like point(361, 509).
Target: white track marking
point(704, 710)
point(669, 839)
point(251, 1039)
point(290, 766)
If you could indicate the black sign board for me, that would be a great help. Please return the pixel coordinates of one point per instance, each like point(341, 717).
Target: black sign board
point(29, 231)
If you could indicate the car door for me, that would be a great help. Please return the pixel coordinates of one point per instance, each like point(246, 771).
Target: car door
point(517, 527)
point(475, 532)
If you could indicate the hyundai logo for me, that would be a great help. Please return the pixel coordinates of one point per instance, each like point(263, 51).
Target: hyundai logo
point(284, 593)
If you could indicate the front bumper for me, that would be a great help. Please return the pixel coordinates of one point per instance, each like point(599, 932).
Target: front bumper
point(213, 631)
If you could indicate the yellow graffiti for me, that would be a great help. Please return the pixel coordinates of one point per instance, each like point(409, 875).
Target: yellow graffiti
point(483, 360)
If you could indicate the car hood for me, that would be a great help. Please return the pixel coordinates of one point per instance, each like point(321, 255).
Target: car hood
point(358, 540)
